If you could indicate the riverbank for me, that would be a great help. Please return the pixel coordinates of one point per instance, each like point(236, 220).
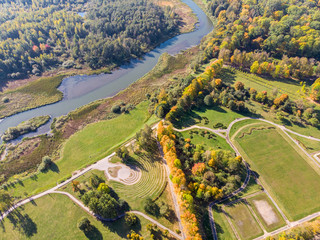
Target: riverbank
point(22, 95)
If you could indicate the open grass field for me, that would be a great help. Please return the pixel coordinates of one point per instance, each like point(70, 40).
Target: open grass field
point(36, 222)
point(243, 221)
point(288, 86)
point(215, 115)
point(267, 213)
point(216, 142)
point(223, 228)
point(87, 146)
point(285, 171)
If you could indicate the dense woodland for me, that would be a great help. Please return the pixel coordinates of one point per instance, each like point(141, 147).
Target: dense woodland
point(39, 35)
point(279, 38)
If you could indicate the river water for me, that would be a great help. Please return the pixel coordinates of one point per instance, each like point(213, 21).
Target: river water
point(82, 89)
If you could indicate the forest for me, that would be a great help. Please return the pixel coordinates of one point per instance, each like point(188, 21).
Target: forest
point(279, 38)
point(36, 36)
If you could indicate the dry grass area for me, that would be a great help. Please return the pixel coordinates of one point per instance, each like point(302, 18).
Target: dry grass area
point(188, 18)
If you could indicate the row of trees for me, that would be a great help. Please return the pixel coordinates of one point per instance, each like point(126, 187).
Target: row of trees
point(184, 196)
point(34, 39)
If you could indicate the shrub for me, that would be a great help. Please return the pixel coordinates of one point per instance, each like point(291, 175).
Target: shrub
point(68, 64)
point(84, 224)
point(208, 100)
point(5, 100)
point(151, 207)
point(130, 219)
point(116, 108)
point(44, 165)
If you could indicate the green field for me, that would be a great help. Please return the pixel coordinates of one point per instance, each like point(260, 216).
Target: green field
point(287, 174)
point(87, 146)
point(278, 220)
point(55, 216)
point(242, 219)
point(216, 142)
point(215, 115)
point(289, 86)
point(223, 228)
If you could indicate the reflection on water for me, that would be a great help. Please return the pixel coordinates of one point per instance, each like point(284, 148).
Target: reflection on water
point(82, 89)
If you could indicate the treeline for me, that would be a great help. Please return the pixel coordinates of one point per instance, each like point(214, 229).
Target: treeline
point(185, 200)
point(112, 32)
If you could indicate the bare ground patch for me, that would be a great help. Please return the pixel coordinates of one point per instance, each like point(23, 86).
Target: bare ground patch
point(113, 171)
point(266, 211)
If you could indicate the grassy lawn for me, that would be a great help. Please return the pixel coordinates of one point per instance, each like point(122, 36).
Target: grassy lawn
point(87, 146)
point(242, 219)
point(55, 216)
point(251, 188)
point(289, 86)
point(310, 146)
point(215, 115)
point(270, 226)
point(224, 231)
point(216, 142)
point(285, 171)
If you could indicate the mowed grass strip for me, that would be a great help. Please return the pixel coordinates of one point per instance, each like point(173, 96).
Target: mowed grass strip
point(242, 219)
point(87, 146)
point(287, 173)
point(55, 216)
point(223, 228)
point(267, 213)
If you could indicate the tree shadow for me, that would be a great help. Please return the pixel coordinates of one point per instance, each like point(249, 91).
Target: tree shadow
point(54, 167)
point(23, 223)
point(132, 162)
point(94, 234)
point(121, 228)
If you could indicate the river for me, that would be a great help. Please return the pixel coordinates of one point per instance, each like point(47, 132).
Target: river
point(82, 89)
